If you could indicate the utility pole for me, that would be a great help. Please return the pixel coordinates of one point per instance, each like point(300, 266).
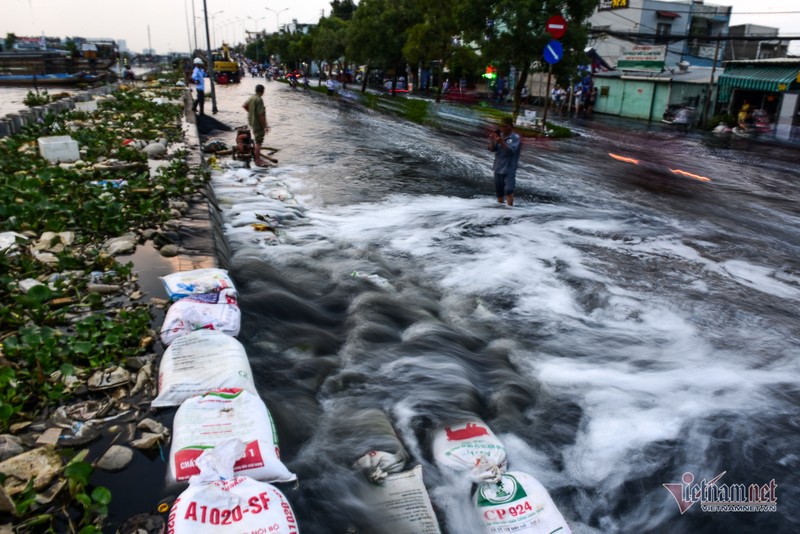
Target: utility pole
point(710, 86)
point(210, 59)
point(194, 25)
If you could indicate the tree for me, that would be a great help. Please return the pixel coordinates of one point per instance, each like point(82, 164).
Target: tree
point(378, 33)
point(519, 36)
point(445, 27)
point(11, 39)
point(343, 9)
point(329, 40)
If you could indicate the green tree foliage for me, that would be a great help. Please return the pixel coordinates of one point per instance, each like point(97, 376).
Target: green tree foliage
point(343, 9)
point(446, 26)
point(378, 33)
point(330, 40)
point(518, 36)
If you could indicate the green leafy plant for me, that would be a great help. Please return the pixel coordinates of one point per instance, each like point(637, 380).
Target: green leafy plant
point(37, 98)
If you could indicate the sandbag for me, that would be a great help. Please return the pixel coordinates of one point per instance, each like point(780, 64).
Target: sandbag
point(210, 311)
point(470, 446)
point(216, 502)
point(204, 421)
point(185, 283)
point(199, 362)
point(518, 503)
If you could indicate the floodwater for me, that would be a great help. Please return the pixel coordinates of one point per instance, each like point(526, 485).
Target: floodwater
point(621, 326)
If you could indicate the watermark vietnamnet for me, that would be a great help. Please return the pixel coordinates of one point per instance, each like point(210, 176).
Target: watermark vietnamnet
point(716, 497)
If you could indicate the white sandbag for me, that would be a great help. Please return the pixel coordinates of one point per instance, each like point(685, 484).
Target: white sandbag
point(470, 446)
point(216, 502)
point(185, 283)
point(202, 361)
point(211, 311)
point(204, 421)
point(401, 504)
point(518, 503)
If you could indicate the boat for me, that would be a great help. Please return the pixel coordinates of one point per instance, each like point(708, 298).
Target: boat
point(50, 79)
point(95, 58)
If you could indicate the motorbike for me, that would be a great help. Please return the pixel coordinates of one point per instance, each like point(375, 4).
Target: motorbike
point(757, 124)
point(679, 115)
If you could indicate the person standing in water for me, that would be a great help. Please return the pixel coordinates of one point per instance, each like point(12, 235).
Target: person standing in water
point(257, 118)
point(506, 145)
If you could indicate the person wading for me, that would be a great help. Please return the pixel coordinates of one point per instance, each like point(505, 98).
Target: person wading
point(505, 144)
point(257, 118)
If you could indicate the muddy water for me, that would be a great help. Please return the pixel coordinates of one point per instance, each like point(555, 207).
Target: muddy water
point(624, 324)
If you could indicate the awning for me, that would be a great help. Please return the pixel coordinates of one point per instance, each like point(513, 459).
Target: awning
point(756, 78)
point(667, 14)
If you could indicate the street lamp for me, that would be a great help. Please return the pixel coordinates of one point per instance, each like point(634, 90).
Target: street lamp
point(214, 25)
point(255, 27)
point(277, 17)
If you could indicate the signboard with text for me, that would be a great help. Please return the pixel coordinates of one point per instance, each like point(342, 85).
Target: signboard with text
point(643, 57)
point(605, 5)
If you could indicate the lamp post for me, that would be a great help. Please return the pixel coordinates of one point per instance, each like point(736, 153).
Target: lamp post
point(255, 27)
point(277, 17)
point(210, 59)
point(214, 26)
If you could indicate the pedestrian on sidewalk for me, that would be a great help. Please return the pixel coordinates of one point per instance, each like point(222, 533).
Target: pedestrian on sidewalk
point(257, 118)
point(199, 78)
point(506, 145)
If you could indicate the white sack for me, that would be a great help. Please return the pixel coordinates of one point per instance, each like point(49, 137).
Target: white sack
point(518, 503)
point(199, 362)
point(216, 503)
point(470, 446)
point(204, 421)
point(210, 311)
point(185, 283)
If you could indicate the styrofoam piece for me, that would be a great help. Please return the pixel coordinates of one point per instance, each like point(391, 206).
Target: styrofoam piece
point(59, 149)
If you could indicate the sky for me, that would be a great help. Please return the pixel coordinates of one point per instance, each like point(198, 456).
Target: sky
point(171, 29)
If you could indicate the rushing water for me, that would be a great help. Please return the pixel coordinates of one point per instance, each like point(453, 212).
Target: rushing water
point(619, 327)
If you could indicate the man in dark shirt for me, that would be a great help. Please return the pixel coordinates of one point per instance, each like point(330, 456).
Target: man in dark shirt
point(505, 144)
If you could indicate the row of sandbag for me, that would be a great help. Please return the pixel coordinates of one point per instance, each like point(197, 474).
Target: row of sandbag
point(224, 443)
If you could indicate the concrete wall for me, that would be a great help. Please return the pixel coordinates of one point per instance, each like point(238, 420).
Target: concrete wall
point(12, 123)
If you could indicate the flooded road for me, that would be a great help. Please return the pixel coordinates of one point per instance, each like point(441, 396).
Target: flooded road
point(629, 321)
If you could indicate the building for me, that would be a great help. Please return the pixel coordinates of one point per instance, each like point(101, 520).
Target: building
point(646, 95)
point(770, 47)
point(685, 30)
point(771, 85)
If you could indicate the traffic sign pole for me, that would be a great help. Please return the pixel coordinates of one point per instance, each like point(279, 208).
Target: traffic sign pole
point(547, 96)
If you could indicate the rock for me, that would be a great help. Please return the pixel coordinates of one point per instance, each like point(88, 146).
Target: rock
point(28, 284)
point(108, 378)
point(49, 436)
point(10, 446)
point(148, 233)
point(116, 458)
point(6, 506)
point(43, 463)
point(143, 524)
point(8, 240)
point(169, 251)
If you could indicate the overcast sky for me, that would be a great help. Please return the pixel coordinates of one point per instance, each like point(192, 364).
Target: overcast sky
point(171, 28)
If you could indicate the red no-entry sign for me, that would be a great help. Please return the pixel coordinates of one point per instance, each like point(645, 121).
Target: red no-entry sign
point(556, 26)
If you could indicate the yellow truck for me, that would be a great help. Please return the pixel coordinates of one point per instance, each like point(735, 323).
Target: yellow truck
point(226, 69)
